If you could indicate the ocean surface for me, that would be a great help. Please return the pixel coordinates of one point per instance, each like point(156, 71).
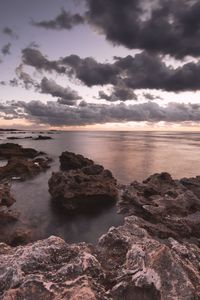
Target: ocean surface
point(129, 155)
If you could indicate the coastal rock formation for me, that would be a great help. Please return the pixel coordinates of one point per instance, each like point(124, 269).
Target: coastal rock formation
point(141, 267)
point(128, 263)
point(22, 162)
point(164, 207)
point(83, 189)
point(10, 150)
point(7, 216)
point(50, 269)
point(72, 161)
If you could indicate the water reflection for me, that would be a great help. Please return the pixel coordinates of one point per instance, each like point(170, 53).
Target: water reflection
point(129, 155)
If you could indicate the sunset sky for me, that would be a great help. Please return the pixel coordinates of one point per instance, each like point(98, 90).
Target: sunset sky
point(100, 64)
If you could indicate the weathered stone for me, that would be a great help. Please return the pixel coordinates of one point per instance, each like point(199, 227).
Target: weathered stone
point(165, 207)
point(83, 190)
point(51, 269)
point(72, 161)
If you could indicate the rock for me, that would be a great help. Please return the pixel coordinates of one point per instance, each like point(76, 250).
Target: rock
point(141, 267)
point(23, 168)
point(10, 150)
point(127, 263)
point(72, 161)
point(51, 269)
point(164, 207)
point(22, 162)
point(42, 138)
point(192, 184)
point(83, 190)
point(6, 199)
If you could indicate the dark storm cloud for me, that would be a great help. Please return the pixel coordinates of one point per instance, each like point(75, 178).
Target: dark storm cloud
point(55, 114)
point(5, 50)
point(162, 26)
point(89, 71)
point(119, 93)
point(65, 20)
point(143, 71)
point(33, 57)
point(66, 95)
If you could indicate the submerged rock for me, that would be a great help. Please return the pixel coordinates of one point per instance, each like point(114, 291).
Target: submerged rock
point(83, 190)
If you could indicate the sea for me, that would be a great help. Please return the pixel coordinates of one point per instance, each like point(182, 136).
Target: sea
point(129, 155)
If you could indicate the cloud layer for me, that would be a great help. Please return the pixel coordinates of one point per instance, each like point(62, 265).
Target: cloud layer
point(56, 114)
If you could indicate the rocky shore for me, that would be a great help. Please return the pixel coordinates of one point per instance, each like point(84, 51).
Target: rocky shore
point(154, 255)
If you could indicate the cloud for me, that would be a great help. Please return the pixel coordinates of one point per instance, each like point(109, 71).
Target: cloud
point(9, 31)
point(33, 57)
point(67, 96)
point(161, 26)
point(151, 97)
point(5, 50)
point(89, 71)
point(119, 93)
point(142, 71)
point(25, 79)
point(65, 20)
point(55, 114)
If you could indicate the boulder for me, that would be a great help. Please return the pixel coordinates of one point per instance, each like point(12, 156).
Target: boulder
point(72, 161)
point(83, 190)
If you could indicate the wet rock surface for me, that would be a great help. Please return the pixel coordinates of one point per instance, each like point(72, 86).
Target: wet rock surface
point(83, 190)
point(22, 162)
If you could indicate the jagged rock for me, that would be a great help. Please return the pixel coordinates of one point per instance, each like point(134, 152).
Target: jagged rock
point(141, 267)
point(84, 189)
point(72, 161)
point(165, 207)
point(51, 269)
point(192, 184)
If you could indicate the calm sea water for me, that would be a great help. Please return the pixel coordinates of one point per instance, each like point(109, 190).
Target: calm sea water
point(129, 155)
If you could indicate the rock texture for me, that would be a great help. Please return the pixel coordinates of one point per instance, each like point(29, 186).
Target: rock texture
point(22, 162)
point(155, 255)
point(164, 207)
point(72, 161)
point(83, 190)
point(50, 269)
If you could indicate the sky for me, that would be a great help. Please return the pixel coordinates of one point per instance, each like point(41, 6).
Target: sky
point(100, 64)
